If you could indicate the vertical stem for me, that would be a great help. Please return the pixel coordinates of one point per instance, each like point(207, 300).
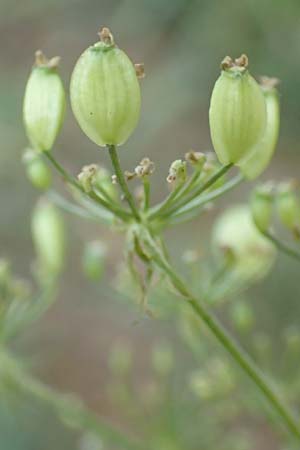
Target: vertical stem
point(236, 351)
point(121, 179)
point(146, 185)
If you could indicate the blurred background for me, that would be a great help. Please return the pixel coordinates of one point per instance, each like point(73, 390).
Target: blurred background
point(181, 43)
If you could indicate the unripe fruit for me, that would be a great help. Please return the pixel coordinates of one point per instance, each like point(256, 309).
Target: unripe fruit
point(258, 161)
point(48, 232)
point(93, 260)
point(288, 206)
point(44, 103)
point(37, 171)
point(237, 113)
point(261, 206)
point(254, 255)
point(105, 93)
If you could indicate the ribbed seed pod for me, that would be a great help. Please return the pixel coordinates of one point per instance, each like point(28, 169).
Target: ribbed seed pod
point(261, 204)
point(38, 173)
point(105, 93)
point(44, 103)
point(237, 113)
point(258, 161)
point(253, 254)
point(48, 233)
point(288, 206)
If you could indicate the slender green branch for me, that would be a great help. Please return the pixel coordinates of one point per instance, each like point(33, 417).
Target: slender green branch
point(72, 180)
point(69, 408)
point(282, 247)
point(203, 200)
point(203, 187)
point(146, 186)
point(121, 179)
point(239, 355)
point(187, 187)
point(70, 207)
point(160, 208)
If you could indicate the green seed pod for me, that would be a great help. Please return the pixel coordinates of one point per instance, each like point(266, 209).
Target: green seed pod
point(253, 254)
point(242, 316)
point(237, 113)
point(37, 171)
point(44, 103)
point(261, 203)
point(93, 260)
point(258, 161)
point(105, 93)
point(288, 207)
point(48, 232)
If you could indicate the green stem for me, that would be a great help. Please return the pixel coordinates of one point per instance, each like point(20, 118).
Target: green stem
point(189, 185)
point(239, 355)
point(157, 210)
point(121, 179)
point(70, 207)
point(203, 187)
point(69, 408)
point(196, 203)
point(70, 179)
point(146, 185)
point(282, 247)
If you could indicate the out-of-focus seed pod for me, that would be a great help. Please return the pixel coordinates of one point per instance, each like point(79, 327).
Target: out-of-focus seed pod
point(162, 358)
point(120, 359)
point(105, 93)
point(253, 254)
point(288, 207)
point(261, 203)
point(38, 173)
point(44, 103)
point(242, 316)
point(93, 261)
point(237, 113)
point(48, 232)
point(258, 161)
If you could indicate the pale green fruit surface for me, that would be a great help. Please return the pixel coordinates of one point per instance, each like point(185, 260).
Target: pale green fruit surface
point(105, 95)
point(237, 116)
point(235, 230)
point(259, 160)
point(48, 233)
point(44, 107)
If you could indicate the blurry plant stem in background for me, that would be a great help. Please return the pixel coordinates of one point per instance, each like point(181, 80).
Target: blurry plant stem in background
point(282, 247)
point(70, 409)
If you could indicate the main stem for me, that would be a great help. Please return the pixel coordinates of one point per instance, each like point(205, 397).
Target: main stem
point(121, 179)
point(236, 351)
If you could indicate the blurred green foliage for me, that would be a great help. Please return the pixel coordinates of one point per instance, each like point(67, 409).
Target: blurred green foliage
point(181, 43)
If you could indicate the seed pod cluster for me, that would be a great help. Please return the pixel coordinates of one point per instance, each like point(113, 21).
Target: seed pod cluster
point(237, 113)
point(105, 93)
point(44, 103)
